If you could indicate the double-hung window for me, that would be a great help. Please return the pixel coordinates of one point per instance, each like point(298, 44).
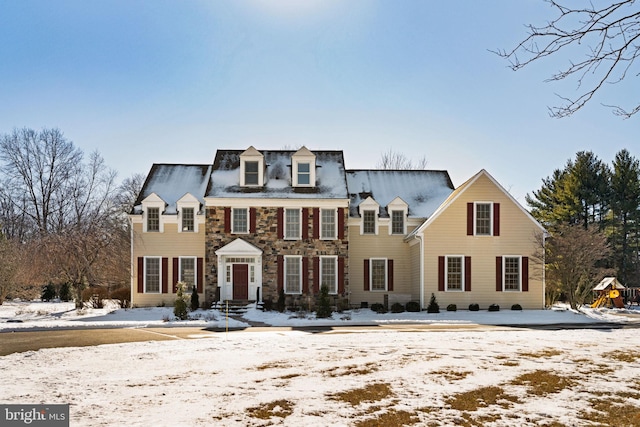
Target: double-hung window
point(369, 222)
point(240, 220)
point(328, 273)
point(328, 221)
point(304, 173)
point(187, 219)
point(397, 222)
point(251, 173)
point(483, 219)
point(293, 275)
point(153, 219)
point(188, 272)
point(292, 224)
point(152, 275)
point(511, 273)
point(455, 273)
point(378, 274)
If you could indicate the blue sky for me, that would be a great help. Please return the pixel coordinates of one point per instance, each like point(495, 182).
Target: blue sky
point(167, 81)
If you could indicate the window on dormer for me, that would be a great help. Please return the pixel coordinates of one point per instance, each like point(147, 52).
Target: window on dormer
point(397, 222)
point(251, 173)
point(153, 219)
point(304, 173)
point(369, 222)
point(187, 219)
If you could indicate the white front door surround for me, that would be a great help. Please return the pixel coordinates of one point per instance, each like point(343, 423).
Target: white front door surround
point(239, 252)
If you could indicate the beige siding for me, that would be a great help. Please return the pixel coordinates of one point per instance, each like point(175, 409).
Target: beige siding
point(382, 245)
point(447, 235)
point(169, 244)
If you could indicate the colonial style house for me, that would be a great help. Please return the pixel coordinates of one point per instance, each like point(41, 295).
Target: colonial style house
point(259, 225)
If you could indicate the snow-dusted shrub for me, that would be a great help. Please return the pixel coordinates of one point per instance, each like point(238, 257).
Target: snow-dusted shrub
point(452, 307)
point(378, 308)
point(494, 307)
point(413, 306)
point(180, 305)
point(474, 307)
point(396, 307)
point(516, 307)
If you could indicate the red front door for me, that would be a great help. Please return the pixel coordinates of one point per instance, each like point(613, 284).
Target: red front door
point(241, 281)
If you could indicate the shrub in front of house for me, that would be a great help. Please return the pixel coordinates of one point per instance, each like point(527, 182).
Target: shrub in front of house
point(378, 308)
point(413, 306)
point(516, 307)
point(180, 304)
point(48, 292)
point(474, 307)
point(281, 304)
point(452, 307)
point(396, 307)
point(324, 304)
point(433, 306)
point(195, 299)
point(122, 295)
point(94, 295)
point(494, 307)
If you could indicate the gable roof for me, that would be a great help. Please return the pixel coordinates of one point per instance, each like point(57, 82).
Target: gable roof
point(422, 190)
point(330, 176)
point(609, 283)
point(171, 182)
point(460, 190)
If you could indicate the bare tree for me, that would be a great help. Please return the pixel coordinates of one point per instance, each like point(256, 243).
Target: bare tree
point(128, 192)
point(604, 40)
point(394, 160)
point(8, 267)
point(574, 258)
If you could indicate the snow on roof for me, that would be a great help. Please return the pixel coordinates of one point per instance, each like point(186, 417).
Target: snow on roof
point(330, 176)
point(422, 190)
point(172, 181)
point(609, 283)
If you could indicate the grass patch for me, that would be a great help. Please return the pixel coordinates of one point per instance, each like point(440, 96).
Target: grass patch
point(548, 352)
point(611, 412)
point(278, 408)
point(541, 383)
point(623, 356)
point(480, 398)
point(352, 370)
point(450, 375)
point(390, 418)
point(272, 365)
point(370, 393)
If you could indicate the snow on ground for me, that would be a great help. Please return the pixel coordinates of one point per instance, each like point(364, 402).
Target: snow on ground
point(342, 377)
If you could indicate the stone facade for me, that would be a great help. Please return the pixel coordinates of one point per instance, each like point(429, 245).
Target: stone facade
point(266, 239)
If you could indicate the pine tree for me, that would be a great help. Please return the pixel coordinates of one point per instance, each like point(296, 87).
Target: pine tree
point(433, 306)
point(180, 305)
point(195, 299)
point(324, 305)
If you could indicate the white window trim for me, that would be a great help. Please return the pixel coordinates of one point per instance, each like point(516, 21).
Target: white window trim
point(252, 155)
point(335, 266)
point(375, 222)
point(404, 221)
point(386, 274)
point(195, 219)
point(153, 201)
point(297, 259)
point(335, 224)
point(195, 269)
point(446, 273)
point(144, 275)
point(475, 217)
point(312, 177)
point(504, 271)
point(233, 220)
point(285, 224)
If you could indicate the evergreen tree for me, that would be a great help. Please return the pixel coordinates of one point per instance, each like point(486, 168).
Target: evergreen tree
point(195, 299)
point(324, 305)
point(433, 306)
point(180, 305)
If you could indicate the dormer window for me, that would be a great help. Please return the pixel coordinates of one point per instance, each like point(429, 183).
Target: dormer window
point(152, 209)
point(188, 206)
point(369, 222)
point(303, 168)
point(153, 219)
point(187, 219)
point(398, 209)
point(369, 210)
point(251, 168)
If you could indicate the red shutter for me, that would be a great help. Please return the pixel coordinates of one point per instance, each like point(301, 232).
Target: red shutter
point(140, 275)
point(280, 274)
point(366, 274)
point(467, 274)
point(305, 275)
point(340, 275)
point(175, 274)
point(165, 275)
point(200, 275)
point(316, 223)
point(390, 275)
point(469, 219)
point(316, 274)
point(280, 220)
point(305, 223)
point(498, 274)
point(525, 274)
point(252, 220)
point(227, 220)
point(340, 223)
point(441, 274)
point(496, 219)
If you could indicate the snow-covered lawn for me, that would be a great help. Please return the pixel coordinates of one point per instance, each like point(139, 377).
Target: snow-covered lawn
point(344, 376)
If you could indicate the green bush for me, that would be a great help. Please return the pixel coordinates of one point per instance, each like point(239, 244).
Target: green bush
point(180, 305)
point(474, 307)
point(413, 306)
point(378, 308)
point(494, 307)
point(452, 307)
point(48, 292)
point(195, 299)
point(65, 292)
point(324, 304)
point(396, 307)
point(516, 307)
point(280, 305)
point(433, 306)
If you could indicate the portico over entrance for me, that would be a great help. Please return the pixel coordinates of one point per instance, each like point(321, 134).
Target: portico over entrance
point(240, 271)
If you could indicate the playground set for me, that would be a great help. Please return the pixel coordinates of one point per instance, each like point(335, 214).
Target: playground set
point(609, 293)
